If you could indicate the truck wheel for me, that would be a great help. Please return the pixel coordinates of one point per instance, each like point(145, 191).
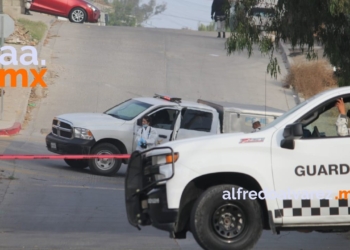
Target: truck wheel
point(106, 166)
point(79, 164)
point(225, 224)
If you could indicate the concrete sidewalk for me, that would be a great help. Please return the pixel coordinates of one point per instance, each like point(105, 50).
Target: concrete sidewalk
point(15, 100)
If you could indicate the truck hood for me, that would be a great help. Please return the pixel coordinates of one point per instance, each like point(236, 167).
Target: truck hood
point(86, 120)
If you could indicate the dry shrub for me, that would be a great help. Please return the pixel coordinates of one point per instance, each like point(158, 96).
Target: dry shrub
point(310, 78)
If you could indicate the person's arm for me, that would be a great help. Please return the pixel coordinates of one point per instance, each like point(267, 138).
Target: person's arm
point(213, 9)
point(342, 125)
point(138, 137)
point(342, 121)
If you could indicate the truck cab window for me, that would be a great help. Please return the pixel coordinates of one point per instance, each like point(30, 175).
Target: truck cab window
point(164, 119)
point(196, 120)
point(325, 124)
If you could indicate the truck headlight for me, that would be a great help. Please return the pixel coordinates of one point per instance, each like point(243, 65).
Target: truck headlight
point(164, 162)
point(83, 133)
point(165, 159)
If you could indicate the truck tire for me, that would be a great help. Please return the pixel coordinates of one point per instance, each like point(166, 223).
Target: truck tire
point(105, 167)
point(78, 164)
point(225, 224)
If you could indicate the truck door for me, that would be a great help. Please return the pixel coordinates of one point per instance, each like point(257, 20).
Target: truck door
point(196, 123)
point(312, 174)
point(163, 120)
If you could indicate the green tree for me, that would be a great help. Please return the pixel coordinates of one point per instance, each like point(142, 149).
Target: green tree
point(303, 23)
point(133, 13)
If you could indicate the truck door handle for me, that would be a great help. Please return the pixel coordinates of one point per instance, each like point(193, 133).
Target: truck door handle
point(162, 136)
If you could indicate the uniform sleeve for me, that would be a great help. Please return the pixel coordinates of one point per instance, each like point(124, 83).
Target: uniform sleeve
point(138, 136)
point(342, 125)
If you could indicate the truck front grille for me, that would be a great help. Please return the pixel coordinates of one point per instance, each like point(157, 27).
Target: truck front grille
point(62, 129)
point(147, 177)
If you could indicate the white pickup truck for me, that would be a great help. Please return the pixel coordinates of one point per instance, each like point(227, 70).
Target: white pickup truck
point(225, 189)
point(114, 131)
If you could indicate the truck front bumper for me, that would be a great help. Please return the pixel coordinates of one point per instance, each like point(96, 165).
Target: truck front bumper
point(146, 202)
point(76, 146)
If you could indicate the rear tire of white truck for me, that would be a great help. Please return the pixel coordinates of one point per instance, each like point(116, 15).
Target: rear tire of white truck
point(225, 224)
point(77, 164)
point(107, 166)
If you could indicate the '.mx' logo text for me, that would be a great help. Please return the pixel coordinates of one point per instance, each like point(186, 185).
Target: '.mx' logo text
point(32, 55)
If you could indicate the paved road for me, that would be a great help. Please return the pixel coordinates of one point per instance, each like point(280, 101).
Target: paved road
point(99, 67)
point(50, 206)
point(46, 205)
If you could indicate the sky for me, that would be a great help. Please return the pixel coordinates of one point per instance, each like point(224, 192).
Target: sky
point(182, 14)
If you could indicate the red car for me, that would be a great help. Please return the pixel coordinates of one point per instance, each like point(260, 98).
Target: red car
point(77, 11)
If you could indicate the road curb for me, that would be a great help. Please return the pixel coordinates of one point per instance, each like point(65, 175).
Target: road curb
point(39, 48)
point(41, 43)
point(288, 61)
point(16, 127)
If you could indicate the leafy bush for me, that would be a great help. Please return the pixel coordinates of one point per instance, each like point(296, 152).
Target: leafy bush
point(311, 78)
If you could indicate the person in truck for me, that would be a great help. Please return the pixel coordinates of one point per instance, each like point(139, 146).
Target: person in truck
point(256, 125)
point(146, 136)
point(342, 121)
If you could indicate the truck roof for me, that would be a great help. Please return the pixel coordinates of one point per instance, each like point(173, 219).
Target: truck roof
point(157, 101)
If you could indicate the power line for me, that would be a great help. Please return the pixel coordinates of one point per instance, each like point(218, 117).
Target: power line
point(169, 20)
point(180, 24)
point(182, 7)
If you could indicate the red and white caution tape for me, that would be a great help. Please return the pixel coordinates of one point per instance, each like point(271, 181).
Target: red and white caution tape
point(60, 157)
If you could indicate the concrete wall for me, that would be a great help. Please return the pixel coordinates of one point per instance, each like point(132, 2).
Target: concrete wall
point(13, 6)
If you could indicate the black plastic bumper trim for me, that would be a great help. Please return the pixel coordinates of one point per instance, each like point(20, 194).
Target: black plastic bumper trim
point(69, 146)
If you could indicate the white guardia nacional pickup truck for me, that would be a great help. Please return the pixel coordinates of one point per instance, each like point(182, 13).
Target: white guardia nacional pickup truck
point(225, 189)
point(114, 131)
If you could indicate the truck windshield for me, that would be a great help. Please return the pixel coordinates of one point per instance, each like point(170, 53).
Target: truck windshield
point(289, 112)
point(128, 110)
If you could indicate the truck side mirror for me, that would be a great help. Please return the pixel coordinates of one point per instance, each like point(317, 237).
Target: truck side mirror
point(291, 132)
point(139, 122)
